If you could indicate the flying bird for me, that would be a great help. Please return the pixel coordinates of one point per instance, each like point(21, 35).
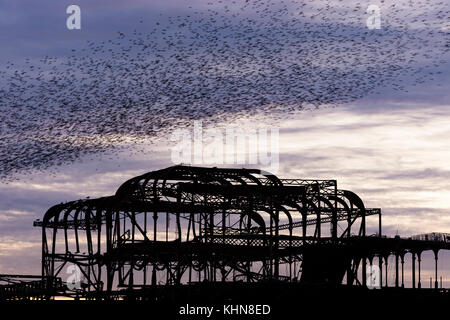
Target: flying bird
point(224, 60)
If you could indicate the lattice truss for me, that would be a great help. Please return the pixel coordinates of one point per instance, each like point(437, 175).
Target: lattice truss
point(188, 224)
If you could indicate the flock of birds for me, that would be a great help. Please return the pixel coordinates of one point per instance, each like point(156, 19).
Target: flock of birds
point(223, 61)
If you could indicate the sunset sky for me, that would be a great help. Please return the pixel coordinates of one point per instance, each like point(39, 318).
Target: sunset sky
point(392, 147)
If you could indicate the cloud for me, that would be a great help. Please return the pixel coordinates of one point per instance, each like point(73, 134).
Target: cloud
point(390, 148)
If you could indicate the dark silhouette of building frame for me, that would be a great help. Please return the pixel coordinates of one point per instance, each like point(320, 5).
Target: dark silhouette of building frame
point(184, 225)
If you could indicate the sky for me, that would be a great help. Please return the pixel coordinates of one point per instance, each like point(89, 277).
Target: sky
point(390, 146)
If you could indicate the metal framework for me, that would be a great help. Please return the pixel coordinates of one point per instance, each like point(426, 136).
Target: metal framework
point(189, 224)
point(186, 225)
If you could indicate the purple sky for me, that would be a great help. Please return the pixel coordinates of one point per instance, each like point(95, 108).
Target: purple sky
point(391, 148)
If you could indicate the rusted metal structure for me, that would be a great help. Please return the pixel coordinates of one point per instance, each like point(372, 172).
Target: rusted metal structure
point(184, 225)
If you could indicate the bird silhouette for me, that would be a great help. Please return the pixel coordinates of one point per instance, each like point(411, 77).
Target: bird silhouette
point(224, 60)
